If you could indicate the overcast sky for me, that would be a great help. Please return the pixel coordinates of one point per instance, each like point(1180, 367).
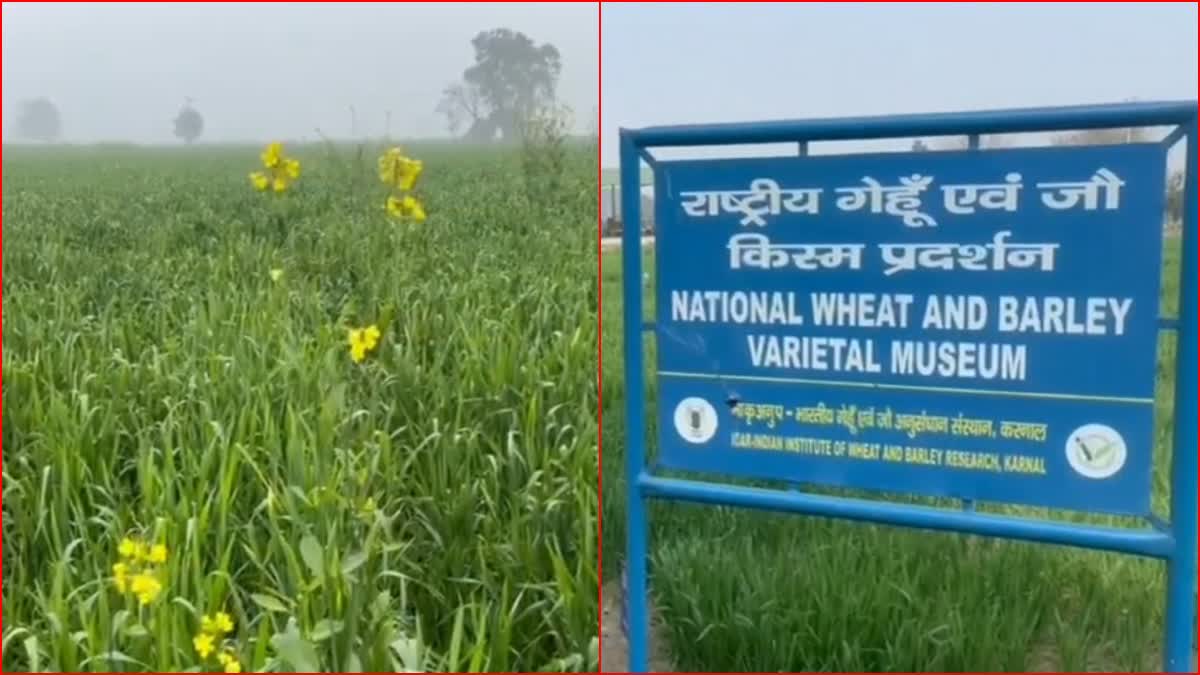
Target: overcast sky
point(692, 63)
point(262, 71)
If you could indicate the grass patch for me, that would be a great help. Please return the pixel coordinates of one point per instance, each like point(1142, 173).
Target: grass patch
point(751, 591)
point(430, 509)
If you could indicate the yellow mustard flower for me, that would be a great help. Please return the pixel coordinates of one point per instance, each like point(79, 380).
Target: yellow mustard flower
point(157, 554)
point(205, 644)
point(145, 586)
point(399, 171)
point(414, 208)
point(358, 346)
point(260, 181)
point(393, 207)
point(281, 171)
point(229, 662)
point(128, 548)
point(121, 576)
point(217, 624)
point(363, 340)
point(371, 336)
point(406, 207)
point(276, 274)
point(273, 155)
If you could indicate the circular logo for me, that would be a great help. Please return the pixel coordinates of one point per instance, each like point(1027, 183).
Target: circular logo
point(1096, 451)
point(695, 420)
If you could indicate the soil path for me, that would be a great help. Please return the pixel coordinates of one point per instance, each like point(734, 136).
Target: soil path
point(614, 644)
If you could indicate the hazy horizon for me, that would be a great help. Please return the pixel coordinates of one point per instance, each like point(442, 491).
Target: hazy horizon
point(259, 71)
point(675, 63)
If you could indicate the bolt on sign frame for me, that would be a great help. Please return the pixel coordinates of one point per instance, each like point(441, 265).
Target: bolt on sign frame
point(1171, 539)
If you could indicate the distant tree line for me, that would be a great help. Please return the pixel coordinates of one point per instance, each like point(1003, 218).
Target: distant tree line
point(39, 120)
point(510, 86)
point(503, 94)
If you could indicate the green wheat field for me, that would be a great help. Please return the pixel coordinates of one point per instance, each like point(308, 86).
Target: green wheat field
point(198, 476)
point(740, 590)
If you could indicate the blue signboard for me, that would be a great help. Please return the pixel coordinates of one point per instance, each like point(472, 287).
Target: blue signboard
point(970, 324)
point(980, 325)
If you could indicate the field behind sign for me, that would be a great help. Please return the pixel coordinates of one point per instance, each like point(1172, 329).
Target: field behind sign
point(433, 508)
point(750, 591)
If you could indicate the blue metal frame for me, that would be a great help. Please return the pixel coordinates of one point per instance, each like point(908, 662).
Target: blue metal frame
point(1174, 542)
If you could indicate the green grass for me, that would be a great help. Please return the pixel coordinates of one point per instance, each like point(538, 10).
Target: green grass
point(750, 591)
point(432, 508)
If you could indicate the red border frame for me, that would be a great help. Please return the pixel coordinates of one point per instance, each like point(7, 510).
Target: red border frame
point(599, 322)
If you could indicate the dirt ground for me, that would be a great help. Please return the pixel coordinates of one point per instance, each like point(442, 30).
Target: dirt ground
point(614, 646)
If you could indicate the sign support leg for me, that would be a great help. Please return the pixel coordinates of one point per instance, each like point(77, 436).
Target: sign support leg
point(1181, 566)
point(639, 619)
point(636, 527)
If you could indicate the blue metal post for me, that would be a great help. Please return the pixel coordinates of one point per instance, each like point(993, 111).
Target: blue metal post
point(1181, 566)
point(636, 527)
point(1143, 542)
point(1070, 118)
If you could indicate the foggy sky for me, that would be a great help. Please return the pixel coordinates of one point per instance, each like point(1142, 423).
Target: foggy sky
point(682, 63)
point(260, 71)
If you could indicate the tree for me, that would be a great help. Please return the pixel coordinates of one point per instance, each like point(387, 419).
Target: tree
point(464, 107)
point(511, 79)
point(188, 124)
point(38, 120)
